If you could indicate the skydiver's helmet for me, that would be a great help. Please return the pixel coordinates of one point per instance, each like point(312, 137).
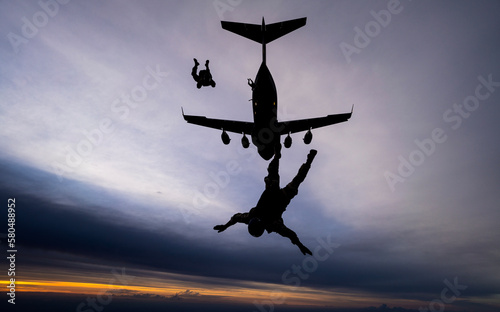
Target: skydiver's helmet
point(255, 227)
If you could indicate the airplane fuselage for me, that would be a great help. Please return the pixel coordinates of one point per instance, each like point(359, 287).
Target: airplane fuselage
point(265, 133)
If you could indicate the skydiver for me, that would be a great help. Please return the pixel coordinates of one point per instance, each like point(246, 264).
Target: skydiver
point(251, 83)
point(267, 215)
point(204, 78)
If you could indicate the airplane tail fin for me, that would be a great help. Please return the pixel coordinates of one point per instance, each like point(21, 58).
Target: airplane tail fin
point(264, 33)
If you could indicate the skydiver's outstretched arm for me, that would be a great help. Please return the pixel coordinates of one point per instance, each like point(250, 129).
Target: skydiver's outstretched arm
point(237, 218)
point(286, 232)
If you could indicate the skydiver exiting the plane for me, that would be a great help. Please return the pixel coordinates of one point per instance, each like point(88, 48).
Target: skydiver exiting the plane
point(267, 215)
point(204, 78)
point(251, 83)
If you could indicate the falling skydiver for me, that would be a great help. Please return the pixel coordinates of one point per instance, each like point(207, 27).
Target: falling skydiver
point(204, 78)
point(267, 215)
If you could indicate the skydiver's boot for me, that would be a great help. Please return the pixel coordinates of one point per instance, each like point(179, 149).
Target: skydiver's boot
point(311, 156)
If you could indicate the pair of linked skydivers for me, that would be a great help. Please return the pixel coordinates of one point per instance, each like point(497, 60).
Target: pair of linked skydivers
point(267, 214)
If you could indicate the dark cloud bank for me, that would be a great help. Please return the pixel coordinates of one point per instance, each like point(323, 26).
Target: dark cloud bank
point(53, 236)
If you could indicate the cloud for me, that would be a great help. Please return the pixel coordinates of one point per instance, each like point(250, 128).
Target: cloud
point(58, 232)
point(183, 294)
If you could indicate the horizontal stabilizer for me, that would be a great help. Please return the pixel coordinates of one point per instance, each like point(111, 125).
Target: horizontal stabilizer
point(264, 33)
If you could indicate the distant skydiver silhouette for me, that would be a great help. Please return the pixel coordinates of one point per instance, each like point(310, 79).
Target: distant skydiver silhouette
point(267, 215)
point(204, 78)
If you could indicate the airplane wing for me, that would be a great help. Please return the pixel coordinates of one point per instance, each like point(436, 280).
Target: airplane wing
point(293, 126)
point(220, 124)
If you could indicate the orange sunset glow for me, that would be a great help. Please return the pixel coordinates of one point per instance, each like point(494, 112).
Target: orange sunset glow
point(172, 285)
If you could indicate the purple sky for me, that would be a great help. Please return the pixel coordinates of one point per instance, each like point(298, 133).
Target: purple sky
point(107, 173)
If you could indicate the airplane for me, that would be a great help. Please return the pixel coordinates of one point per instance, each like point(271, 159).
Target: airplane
point(265, 130)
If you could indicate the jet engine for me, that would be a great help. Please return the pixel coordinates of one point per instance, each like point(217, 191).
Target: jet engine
point(288, 141)
point(244, 141)
point(308, 137)
point(225, 137)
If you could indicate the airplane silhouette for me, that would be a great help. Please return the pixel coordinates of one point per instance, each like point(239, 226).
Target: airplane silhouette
point(265, 130)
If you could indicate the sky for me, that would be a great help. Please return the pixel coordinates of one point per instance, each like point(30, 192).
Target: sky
point(116, 195)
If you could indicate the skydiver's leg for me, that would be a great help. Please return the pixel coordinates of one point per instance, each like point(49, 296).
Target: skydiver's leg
point(292, 188)
point(208, 76)
point(273, 177)
point(195, 70)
